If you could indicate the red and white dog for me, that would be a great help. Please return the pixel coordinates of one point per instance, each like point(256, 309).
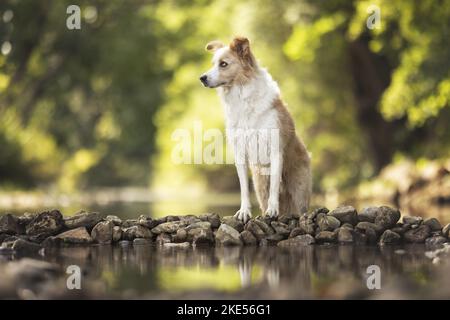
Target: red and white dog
point(252, 103)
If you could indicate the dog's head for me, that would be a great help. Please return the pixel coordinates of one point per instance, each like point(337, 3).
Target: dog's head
point(232, 64)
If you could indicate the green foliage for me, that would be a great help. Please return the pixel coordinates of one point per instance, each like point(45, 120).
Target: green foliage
point(98, 106)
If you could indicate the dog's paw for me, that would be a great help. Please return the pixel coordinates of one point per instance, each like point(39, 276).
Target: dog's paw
point(271, 212)
point(243, 214)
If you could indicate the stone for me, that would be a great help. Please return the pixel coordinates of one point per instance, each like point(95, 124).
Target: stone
point(163, 238)
point(412, 220)
point(327, 223)
point(130, 223)
point(47, 223)
point(186, 220)
point(228, 236)
point(141, 241)
point(102, 232)
point(389, 237)
point(368, 214)
point(199, 225)
point(293, 223)
point(75, 236)
point(180, 236)
point(138, 231)
point(51, 242)
point(364, 226)
point(435, 240)
point(446, 230)
point(204, 237)
point(212, 218)
point(345, 214)
point(9, 224)
point(271, 240)
point(116, 233)
point(147, 222)
point(345, 235)
point(172, 218)
point(124, 243)
point(280, 228)
point(306, 223)
point(168, 227)
point(25, 247)
point(26, 218)
point(434, 224)
point(296, 232)
point(359, 238)
point(233, 222)
point(82, 219)
point(326, 237)
point(255, 229)
point(266, 228)
point(114, 219)
point(181, 245)
point(417, 235)
point(387, 217)
point(301, 240)
point(248, 238)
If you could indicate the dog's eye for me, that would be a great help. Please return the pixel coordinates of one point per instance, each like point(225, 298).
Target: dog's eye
point(223, 64)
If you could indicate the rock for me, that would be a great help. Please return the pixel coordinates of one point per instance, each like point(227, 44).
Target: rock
point(180, 236)
point(248, 238)
point(227, 235)
point(345, 235)
point(82, 219)
point(417, 235)
point(326, 237)
point(204, 237)
point(345, 214)
point(368, 214)
point(141, 241)
point(266, 228)
point(45, 224)
point(271, 240)
point(102, 232)
point(9, 224)
point(233, 222)
point(364, 226)
point(387, 217)
point(306, 223)
point(26, 218)
point(360, 238)
point(293, 223)
point(75, 236)
point(446, 230)
point(212, 218)
point(412, 220)
point(116, 233)
point(130, 223)
point(124, 243)
point(168, 227)
point(280, 228)
point(199, 225)
point(255, 229)
point(172, 218)
point(147, 222)
point(163, 238)
point(301, 240)
point(186, 220)
point(25, 247)
point(347, 225)
point(296, 232)
point(51, 242)
point(327, 223)
point(182, 245)
point(136, 232)
point(435, 240)
point(434, 224)
point(5, 251)
point(389, 237)
point(114, 219)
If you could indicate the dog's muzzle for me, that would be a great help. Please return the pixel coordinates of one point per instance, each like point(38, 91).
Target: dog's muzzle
point(204, 80)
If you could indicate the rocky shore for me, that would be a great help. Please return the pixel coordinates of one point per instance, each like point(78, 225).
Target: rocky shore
point(31, 232)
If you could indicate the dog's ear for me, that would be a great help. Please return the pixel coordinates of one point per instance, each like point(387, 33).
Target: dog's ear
point(241, 46)
point(214, 45)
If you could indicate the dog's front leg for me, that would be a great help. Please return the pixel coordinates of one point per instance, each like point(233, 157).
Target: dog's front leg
point(276, 168)
point(244, 213)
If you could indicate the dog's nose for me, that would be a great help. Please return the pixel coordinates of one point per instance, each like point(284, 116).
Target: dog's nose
point(203, 78)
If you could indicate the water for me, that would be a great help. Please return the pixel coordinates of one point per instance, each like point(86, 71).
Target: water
point(325, 271)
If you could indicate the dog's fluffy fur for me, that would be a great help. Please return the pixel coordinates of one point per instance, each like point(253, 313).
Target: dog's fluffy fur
point(252, 101)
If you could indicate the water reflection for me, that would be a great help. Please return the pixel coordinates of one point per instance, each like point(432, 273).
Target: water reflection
point(248, 272)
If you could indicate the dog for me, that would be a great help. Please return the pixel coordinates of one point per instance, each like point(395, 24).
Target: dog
point(252, 103)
